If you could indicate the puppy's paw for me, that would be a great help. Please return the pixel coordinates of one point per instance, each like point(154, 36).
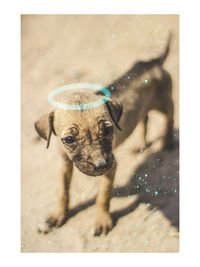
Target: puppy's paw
point(55, 220)
point(104, 224)
point(44, 228)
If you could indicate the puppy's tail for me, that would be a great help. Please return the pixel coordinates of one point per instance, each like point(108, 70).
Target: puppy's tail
point(142, 66)
point(162, 58)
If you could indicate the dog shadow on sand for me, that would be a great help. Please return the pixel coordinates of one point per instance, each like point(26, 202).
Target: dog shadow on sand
point(155, 182)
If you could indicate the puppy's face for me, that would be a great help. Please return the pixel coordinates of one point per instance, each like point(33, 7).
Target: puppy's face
point(85, 135)
point(89, 146)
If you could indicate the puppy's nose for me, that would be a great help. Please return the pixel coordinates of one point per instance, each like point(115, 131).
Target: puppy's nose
point(100, 165)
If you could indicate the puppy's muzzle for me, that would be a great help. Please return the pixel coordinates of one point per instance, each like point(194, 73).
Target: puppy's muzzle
point(97, 168)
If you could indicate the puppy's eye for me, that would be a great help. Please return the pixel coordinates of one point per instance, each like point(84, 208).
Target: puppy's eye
point(108, 131)
point(68, 140)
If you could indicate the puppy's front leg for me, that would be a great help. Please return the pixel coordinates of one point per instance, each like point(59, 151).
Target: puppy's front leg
point(104, 221)
point(60, 214)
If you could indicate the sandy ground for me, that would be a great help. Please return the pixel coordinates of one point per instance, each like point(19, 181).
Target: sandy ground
point(64, 49)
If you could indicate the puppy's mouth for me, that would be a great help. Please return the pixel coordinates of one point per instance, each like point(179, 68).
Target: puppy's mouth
point(91, 169)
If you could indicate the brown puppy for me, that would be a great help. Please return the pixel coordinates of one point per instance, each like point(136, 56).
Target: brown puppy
point(86, 137)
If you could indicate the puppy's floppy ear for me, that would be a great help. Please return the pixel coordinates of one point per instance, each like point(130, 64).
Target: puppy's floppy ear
point(115, 110)
point(44, 127)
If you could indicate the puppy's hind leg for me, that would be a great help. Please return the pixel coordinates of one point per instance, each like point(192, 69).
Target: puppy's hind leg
point(167, 107)
point(145, 122)
point(169, 140)
point(143, 144)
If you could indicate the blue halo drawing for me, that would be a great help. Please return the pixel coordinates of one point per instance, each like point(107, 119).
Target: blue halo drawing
point(63, 88)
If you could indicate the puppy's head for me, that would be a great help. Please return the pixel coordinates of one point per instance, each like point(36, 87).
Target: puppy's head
point(85, 135)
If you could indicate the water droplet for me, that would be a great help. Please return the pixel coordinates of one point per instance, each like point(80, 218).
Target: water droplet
point(146, 81)
point(156, 193)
